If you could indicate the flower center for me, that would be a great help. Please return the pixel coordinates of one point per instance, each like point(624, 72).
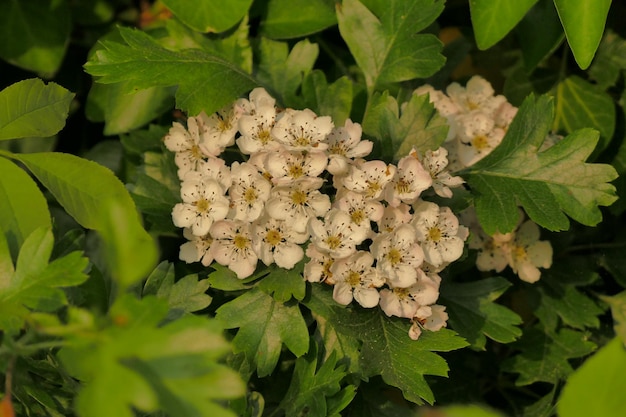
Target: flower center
point(299, 197)
point(401, 293)
point(403, 186)
point(273, 237)
point(196, 153)
point(264, 136)
point(358, 216)
point(394, 256)
point(202, 205)
point(472, 105)
point(333, 242)
point(302, 140)
point(372, 188)
point(250, 195)
point(519, 253)
point(241, 242)
point(434, 234)
point(296, 171)
point(337, 149)
point(354, 279)
point(224, 124)
point(480, 142)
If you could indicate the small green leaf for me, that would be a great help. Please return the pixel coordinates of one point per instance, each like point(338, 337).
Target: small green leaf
point(286, 19)
point(283, 284)
point(596, 388)
point(264, 325)
point(384, 42)
point(544, 356)
point(474, 314)
point(419, 125)
point(209, 15)
point(610, 60)
point(583, 21)
point(205, 82)
point(547, 184)
point(23, 208)
point(618, 310)
point(580, 104)
point(492, 20)
point(539, 33)
point(334, 100)
point(31, 108)
point(39, 31)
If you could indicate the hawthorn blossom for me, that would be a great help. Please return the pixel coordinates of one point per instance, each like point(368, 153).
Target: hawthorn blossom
point(336, 234)
point(404, 302)
point(393, 217)
point(196, 249)
point(190, 154)
point(317, 269)
point(203, 203)
point(355, 277)
point(493, 251)
point(478, 94)
point(369, 178)
point(410, 180)
point(219, 129)
point(302, 130)
point(248, 193)
point(431, 318)
point(288, 166)
point(398, 255)
point(255, 130)
point(435, 163)
point(360, 209)
point(275, 241)
point(478, 137)
point(527, 253)
point(345, 145)
point(232, 247)
point(213, 168)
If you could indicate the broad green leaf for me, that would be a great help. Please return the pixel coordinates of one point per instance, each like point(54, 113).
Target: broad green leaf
point(31, 108)
point(384, 42)
point(583, 21)
point(347, 347)
point(610, 60)
point(282, 284)
point(23, 208)
point(519, 84)
point(97, 200)
point(226, 280)
point(539, 33)
point(122, 111)
point(387, 349)
point(6, 262)
point(36, 284)
point(311, 385)
point(264, 325)
point(281, 71)
point(38, 31)
point(474, 314)
point(286, 19)
point(334, 100)
point(618, 311)
point(580, 104)
point(205, 82)
point(492, 20)
point(466, 411)
point(146, 140)
point(134, 363)
point(418, 126)
point(186, 295)
point(547, 184)
point(596, 388)
point(544, 356)
point(209, 15)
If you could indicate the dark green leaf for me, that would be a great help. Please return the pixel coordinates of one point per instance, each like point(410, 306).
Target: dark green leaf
point(32, 108)
point(539, 33)
point(334, 100)
point(610, 60)
point(205, 82)
point(283, 284)
point(286, 19)
point(474, 315)
point(583, 21)
point(493, 20)
point(547, 184)
point(209, 15)
point(383, 39)
point(618, 310)
point(264, 325)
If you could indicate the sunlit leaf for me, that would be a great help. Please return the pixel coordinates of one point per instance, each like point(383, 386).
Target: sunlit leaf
point(209, 15)
point(493, 20)
point(286, 19)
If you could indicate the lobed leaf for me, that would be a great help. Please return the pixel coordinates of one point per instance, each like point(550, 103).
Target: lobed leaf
point(282, 284)
point(493, 20)
point(287, 19)
point(334, 100)
point(609, 61)
point(547, 184)
point(209, 15)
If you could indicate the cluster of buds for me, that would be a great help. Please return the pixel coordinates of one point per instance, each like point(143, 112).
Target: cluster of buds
point(303, 188)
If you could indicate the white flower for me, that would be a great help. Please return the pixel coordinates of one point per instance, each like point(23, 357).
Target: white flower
point(335, 235)
point(444, 105)
point(355, 276)
point(361, 209)
point(213, 168)
point(398, 256)
point(318, 267)
point(190, 155)
point(369, 178)
point(203, 203)
point(394, 217)
point(528, 253)
point(435, 162)
point(344, 145)
point(274, 241)
point(493, 251)
point(404, 302)
point(232, 247)
point(478, 94)
point(288, 166)
point(256, 130)
point(219, 129)
point(505, 115)
point(259, 98)
point(431, 318)
point(196, 249)
point(302, 130)
point(410, 180)
point(298, 202)
point(248, 193)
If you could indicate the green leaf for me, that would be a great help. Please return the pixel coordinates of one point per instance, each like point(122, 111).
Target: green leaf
point(547, 184)
point(610, 60)
point(419, 125)
point(281, 71)
point(492, 20)
point(205, 82)
point(539, 33)
point(97, 200)
point(39, 32)
point(387, 349)
point(32, 108)
point(283, 284)
point(334, 100)
point(595, 389)
point(383, 39)
point(311, 385)
point(466, 411)
point(618, 311)
point(23, 208)
point(580, 104)
point(583, 21)
point(186, 295)
point(286, 19)
point(209, 15)
point(264, 325)
point(35, 284)
point(133, 363)
point(474, 314)
point(544, 356)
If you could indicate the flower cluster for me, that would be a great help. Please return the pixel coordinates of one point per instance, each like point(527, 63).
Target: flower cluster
point(478, 121)
point(305, 180)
